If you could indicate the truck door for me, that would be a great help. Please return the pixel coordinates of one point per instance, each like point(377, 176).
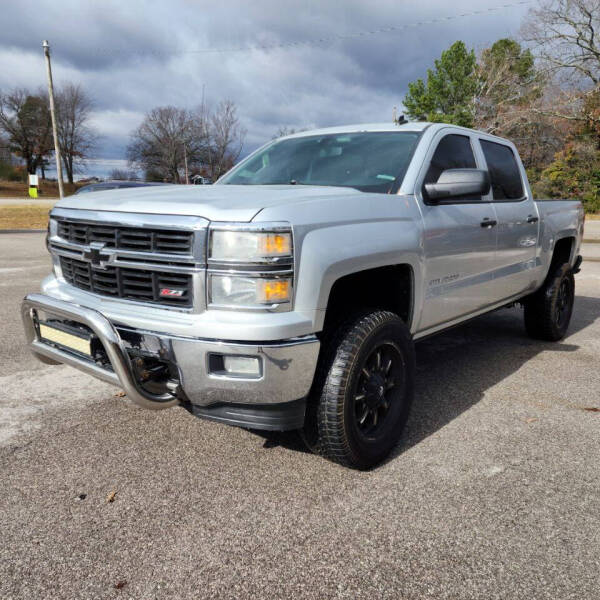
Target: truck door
point(518, 218)
point(459, 239)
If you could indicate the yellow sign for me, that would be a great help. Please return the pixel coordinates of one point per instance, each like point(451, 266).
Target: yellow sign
point(33, 192)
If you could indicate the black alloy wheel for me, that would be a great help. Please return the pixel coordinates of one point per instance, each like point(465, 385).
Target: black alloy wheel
point(380, 384)
point(548, 311)
point(363, 390)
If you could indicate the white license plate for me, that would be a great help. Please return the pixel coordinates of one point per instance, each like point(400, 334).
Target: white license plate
point(68, 340)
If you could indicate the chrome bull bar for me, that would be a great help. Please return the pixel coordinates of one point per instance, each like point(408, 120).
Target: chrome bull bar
point(122, 373)
point(286, 373)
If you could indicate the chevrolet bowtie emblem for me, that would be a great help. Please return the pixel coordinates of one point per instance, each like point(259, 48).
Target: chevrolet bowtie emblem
point(94, 255)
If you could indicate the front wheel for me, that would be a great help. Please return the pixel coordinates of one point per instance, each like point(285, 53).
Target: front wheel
point(548, 311)
point(363, 391)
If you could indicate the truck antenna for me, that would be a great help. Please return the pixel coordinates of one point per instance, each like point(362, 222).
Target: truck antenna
point(399, 120)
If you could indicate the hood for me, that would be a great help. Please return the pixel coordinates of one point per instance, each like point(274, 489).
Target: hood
point(213, 202)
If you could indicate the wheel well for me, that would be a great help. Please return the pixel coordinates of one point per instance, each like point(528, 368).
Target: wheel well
point(387, 288)
point(562, 253)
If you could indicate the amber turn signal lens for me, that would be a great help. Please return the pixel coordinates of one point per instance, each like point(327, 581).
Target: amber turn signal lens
point(275, 244)
point(252, 246)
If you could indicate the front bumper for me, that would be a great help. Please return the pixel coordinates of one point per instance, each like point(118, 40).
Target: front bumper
point(286, 374)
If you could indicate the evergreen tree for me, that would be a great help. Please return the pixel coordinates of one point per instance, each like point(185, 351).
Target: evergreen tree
point(449, 92)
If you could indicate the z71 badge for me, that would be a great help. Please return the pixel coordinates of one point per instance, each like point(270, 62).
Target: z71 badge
point(169, 293)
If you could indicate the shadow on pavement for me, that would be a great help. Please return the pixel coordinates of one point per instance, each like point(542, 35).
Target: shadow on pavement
point(455, 368)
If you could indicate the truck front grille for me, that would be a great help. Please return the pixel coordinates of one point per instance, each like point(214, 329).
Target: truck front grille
point(127, 238)
point(172, 289)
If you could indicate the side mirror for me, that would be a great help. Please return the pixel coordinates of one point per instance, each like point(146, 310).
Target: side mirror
point(457, 183)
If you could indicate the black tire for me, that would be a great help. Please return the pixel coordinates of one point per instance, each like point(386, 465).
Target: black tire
point(363, 390)
point(548, 311)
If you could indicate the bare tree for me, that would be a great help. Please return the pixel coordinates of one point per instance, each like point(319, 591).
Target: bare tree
point(75, 137)
point(159, 145)
point(123, 175)
point(284, 130)
point(509, 101)
point(508, 83)
point(564, 33)
point(564, 37)
point(226, 138)
point(25, 119)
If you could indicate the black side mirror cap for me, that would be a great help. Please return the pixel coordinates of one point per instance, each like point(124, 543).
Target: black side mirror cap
point(459, 183)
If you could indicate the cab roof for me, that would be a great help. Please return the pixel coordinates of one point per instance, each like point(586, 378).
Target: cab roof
point(363, 127)
point(417, 126)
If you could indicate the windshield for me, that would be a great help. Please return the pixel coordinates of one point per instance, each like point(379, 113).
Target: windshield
point(367, 161)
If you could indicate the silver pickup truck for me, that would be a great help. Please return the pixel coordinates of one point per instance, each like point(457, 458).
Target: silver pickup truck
point(288, 295)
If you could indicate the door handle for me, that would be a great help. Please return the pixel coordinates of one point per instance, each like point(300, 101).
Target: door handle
point(532, 219)
point(489, 223)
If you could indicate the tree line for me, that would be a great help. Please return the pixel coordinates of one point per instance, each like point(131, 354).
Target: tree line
point(208, 140)
point(542, 91)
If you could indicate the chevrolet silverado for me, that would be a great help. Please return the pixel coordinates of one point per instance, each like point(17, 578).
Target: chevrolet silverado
point(289, 295)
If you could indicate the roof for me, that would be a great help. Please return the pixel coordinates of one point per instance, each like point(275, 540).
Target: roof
point(374, 127)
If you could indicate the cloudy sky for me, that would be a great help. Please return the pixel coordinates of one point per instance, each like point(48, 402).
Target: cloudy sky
point(132, 55)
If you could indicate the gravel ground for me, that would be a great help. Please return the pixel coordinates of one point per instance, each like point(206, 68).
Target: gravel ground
point(494, 492)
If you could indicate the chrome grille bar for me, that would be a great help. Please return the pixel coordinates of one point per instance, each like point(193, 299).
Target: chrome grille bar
point(143, 258)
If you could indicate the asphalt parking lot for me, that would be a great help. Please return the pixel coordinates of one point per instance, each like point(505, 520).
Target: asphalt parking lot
point(494, 492)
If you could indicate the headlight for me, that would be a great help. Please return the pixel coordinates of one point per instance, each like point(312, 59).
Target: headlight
point(251, 266)
point(226, 290)
point(249, 246)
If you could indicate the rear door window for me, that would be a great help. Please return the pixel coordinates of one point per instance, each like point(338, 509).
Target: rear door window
point(504, 171)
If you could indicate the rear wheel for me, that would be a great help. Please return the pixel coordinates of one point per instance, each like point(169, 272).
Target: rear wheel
point(363, 391)
point(548, 311)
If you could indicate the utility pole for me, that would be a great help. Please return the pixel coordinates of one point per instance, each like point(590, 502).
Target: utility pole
point(205, 132)
point(46, 48)
point(187, 179)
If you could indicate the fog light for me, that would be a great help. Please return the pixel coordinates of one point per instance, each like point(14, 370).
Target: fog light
point(241, 365)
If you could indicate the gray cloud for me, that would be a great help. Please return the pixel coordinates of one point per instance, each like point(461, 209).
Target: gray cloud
point(134, 55)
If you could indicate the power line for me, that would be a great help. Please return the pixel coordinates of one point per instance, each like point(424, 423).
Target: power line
point(331, 38)
point(357, 34)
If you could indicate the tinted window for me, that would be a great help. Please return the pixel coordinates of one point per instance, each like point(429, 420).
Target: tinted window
point(368, 161)
point(453, 152)
point(504, 171)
